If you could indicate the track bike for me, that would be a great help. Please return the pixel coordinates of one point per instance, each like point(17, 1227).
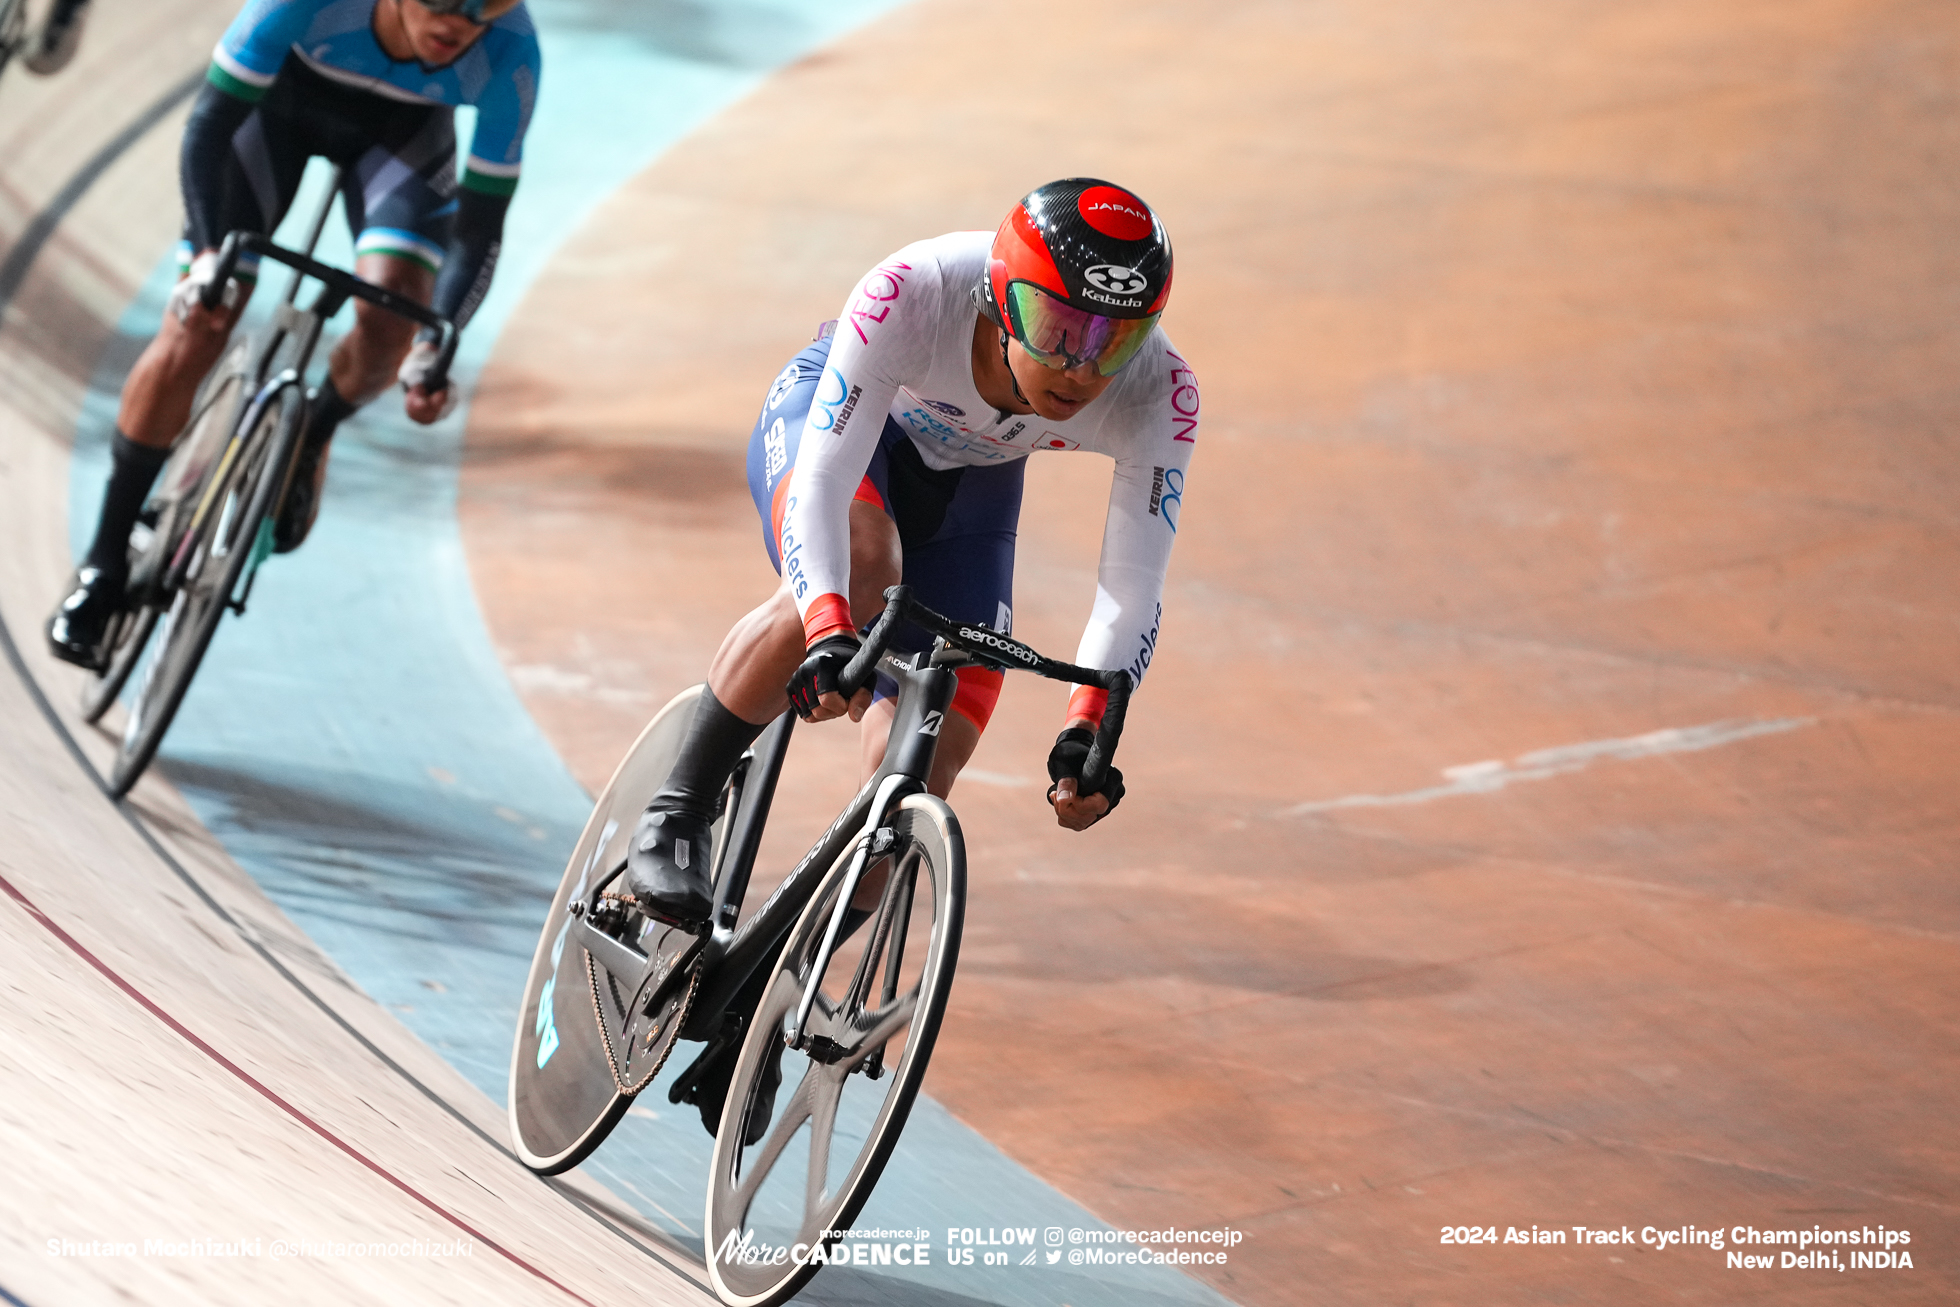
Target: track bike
point(208, 526)
point(843, 971)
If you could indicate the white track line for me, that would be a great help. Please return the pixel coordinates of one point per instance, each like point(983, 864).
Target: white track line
point(1493, 775)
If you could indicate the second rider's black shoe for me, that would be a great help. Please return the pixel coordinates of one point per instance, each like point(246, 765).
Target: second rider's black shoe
point(79, 629)
point(667, 867)
point(302, 504)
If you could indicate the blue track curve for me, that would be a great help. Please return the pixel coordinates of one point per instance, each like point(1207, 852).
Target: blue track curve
point(357, 747)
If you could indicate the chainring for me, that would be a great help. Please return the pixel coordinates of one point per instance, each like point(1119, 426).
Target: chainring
point(647, 1038)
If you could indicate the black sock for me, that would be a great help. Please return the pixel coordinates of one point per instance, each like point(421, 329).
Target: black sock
point(716, 739)
point(327, 410)
point(133, 470)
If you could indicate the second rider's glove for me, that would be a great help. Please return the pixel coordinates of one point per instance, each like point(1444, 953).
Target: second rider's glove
point(419, 366)
point(818, 675)
point(1065, 763)
point(190, 288)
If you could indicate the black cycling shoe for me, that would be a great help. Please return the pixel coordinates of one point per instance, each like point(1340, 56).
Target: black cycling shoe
point(79, 630)
point(302, 504)
point(710, 1092)
point(667, 868)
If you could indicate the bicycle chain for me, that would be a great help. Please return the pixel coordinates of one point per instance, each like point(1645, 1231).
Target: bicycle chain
point(605, 1035)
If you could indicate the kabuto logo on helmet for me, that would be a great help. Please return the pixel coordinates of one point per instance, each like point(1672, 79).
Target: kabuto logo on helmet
point(1116, 280)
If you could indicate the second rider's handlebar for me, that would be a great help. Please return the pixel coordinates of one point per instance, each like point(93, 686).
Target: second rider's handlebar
point(337, 286)
point(995, 648)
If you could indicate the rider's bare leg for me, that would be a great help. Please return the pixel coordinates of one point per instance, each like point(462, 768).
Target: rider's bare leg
point(157, 397)
point(156, 403)
point(364, 363)
point(763, 650)
point(667, 861)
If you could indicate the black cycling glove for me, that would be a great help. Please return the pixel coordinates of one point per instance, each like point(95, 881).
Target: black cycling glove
point(1065, 761)
point(818, 675)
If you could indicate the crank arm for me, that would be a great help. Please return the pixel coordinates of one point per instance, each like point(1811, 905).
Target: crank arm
point(646, 976)
point(627, 964)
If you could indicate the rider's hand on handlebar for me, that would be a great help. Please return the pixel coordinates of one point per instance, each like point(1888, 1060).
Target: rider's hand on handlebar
point(187, 296)
point(422, 405)
point(813, 689)
point(1075, 810)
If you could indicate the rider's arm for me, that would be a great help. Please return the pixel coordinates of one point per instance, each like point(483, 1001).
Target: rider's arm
point(205, 168)
point(472, 258)
point(490, 172)
point(1146, 502)
point(882, 341)
point(243, 67)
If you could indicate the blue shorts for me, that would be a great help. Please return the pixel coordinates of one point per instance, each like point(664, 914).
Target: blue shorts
point(956, 528)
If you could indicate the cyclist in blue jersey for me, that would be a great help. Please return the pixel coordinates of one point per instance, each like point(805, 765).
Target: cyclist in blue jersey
point(371, 85)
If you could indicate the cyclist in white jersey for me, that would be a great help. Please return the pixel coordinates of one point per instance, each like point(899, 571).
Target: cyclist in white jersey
point(893, 449)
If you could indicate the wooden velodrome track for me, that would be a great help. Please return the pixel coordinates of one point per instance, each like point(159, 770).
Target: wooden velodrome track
point(1540, 805)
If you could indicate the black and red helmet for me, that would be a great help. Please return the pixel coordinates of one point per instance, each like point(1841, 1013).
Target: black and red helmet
point(1079, 273)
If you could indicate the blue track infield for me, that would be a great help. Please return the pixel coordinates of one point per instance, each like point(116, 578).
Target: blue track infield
point(356, 746)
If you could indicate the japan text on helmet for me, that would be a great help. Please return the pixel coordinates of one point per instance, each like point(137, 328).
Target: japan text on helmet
point(1079, 274)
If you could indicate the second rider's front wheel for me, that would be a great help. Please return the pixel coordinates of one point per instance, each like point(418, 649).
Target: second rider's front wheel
point(844, 1091)
point(127, 641)
point(222, 541)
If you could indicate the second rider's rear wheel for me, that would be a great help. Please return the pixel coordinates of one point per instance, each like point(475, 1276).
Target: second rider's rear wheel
point(845, 1092)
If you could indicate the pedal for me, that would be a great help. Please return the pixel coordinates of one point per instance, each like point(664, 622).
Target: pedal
point(701, 928)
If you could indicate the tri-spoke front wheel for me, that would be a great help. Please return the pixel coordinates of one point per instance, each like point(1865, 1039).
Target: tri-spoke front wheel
point(222, 540)
point(846, 1086)
point(193, 456)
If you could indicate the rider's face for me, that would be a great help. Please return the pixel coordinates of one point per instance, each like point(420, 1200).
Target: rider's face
point(1055, 393)
point(437, 39)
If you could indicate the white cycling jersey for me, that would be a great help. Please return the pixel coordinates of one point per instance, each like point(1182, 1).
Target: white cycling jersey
point(904, 346)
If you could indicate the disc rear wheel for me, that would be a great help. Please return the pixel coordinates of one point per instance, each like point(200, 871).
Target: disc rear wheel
point(585, 1045)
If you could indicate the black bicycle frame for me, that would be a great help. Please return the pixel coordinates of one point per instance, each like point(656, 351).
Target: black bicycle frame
point(733, 956)
point(729, 958)
point(926, 687)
